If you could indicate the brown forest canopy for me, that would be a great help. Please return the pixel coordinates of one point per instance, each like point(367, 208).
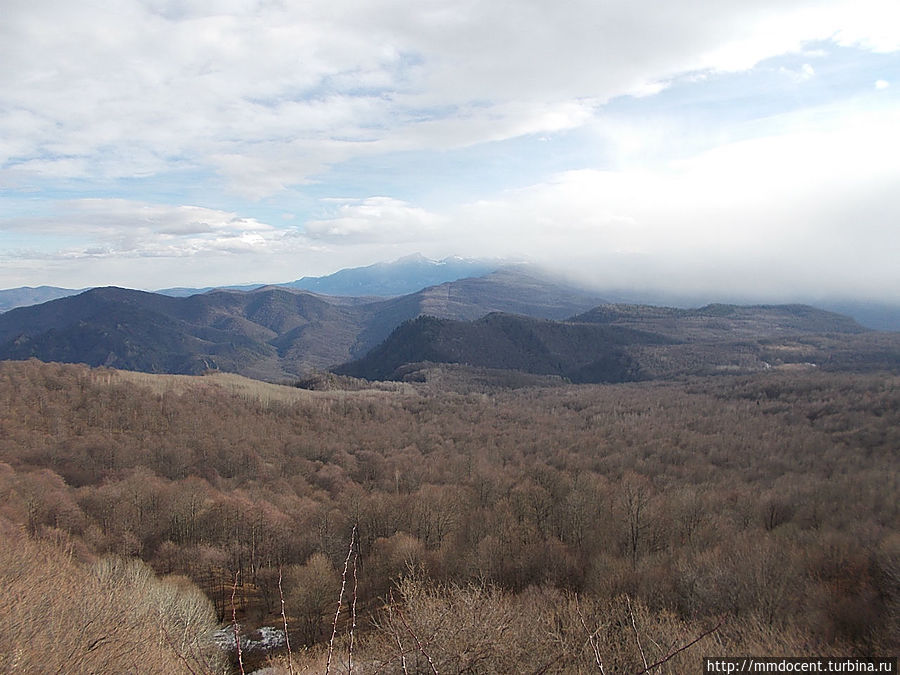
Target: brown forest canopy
point(769, 499)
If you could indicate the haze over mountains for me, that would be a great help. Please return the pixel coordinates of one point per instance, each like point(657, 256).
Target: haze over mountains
point(506, 319)
point(415, 272)
point(384, 279)
point(32, 295)
point(400, 277)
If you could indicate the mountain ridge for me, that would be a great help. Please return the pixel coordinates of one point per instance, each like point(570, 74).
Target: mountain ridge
point(508, 342)
point(269, 333)
point(25, 296)
point(620, 343)
point(400, 277)
point(358, 285)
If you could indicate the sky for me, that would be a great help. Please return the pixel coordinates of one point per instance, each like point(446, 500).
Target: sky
point(715, 147)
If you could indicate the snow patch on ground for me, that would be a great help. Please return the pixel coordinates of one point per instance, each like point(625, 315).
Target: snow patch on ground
point(263, 639)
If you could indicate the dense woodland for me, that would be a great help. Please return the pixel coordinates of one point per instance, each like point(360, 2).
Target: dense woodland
point(531, 529)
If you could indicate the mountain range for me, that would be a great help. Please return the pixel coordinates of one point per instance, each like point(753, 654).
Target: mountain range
point(400, 277)
point(385, 279)
point(510, 318)
point(270, 333)
point(617, 343)
point(414, 272)
point(506, 320)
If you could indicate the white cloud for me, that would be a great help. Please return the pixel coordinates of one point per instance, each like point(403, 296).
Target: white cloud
point(811, 213)
point(269, 94)
point(376, 219)
point(119, 227)
point(95, 242)
point(802, 74)
point(263, 97)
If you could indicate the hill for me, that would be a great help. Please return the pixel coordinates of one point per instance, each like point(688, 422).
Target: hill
point(577, 351)
point(385, 279)
point(381, 280)
point(277, 333)
point(618, 343)
point(23, 296)
point(270, 333)
point(718, 322)
point(136, 331)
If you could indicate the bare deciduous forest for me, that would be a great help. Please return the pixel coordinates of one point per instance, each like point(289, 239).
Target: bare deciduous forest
point(540, 529)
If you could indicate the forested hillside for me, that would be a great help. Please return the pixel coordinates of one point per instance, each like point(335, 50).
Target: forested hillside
point(534, 528)
point(624, 343)
point(269, 333)
point(579, 352)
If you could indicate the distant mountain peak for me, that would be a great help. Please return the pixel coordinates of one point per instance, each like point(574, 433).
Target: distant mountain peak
point(413, 257)
point(269, 333)
point(32, 295)
point(404, 275)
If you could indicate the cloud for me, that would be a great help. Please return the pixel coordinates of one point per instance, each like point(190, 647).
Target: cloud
point(802, 74)
point(95, 242)
point(376, 219)
point(805, 206)
point(153, 245)
point(269, 95)
point(683, 141)
point(119, 227)
point(809, 213)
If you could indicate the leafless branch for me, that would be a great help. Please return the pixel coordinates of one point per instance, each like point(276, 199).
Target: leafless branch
point(396, 633)
point(234, 624)
point(544, 668)
point(287, 637)
point(418, 642)
point(176, 650)
point(681, 649)
point(591, 635)
point(337, 613)
point(637, 635)
point(353, 612)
